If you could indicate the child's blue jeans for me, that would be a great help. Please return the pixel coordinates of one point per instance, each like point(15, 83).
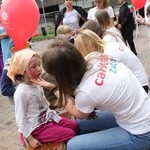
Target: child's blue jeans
point(106, 135)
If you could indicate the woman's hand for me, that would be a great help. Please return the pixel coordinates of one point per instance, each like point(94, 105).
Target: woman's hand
point(139, 19)
point(72, 110)
point(43, 83)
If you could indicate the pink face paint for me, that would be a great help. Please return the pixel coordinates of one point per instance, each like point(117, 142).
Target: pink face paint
point(34, 74)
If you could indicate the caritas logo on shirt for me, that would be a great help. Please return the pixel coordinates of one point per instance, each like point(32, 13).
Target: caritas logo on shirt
point(103, 66)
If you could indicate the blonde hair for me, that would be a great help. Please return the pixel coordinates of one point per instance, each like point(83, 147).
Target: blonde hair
point(87, 41)
point(61, 37)
point(63, 29)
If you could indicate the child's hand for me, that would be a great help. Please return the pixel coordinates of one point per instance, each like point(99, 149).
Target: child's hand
point(34, 143)
point(43, 83)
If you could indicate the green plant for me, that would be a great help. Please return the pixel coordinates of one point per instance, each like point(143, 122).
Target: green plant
point(50, 35)
point(41, 37)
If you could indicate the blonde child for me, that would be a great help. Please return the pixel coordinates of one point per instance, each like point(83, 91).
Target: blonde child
point(66, 30)
point(35, 120)
point(63, 29)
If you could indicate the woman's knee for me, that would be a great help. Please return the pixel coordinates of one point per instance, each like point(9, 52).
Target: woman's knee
point(74, 144)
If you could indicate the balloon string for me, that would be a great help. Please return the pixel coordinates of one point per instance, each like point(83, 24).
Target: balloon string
point(137, 12)
point(137, 26)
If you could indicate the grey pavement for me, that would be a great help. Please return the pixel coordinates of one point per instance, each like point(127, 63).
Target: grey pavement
point(9, 137)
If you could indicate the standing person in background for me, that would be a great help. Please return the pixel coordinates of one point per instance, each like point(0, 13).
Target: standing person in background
point(126, 24)
point(72, 16)
point(101, 4)
point(1, 63)
point(4, 44)
point(145, 21)
point(142, 20)
point(8, 88)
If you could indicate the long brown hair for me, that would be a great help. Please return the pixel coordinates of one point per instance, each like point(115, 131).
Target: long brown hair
point(63, 61)
point(103, 19)
point(93, 26)
point(106, 4)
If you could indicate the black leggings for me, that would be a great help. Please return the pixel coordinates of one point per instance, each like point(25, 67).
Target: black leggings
point(146, 88)
point(128, 37)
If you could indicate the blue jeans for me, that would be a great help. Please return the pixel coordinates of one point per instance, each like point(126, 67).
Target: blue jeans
point(103, 133)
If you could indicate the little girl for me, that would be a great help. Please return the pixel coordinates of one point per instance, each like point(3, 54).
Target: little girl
point(35, 120)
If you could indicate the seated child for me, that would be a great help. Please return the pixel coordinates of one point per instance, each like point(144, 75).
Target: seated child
point(35, 120)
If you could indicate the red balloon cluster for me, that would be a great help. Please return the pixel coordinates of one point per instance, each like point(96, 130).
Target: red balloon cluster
point(20, 18)
point(138, 4)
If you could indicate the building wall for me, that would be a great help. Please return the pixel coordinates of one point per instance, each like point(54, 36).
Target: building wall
point(51, 13)
point(48, 3)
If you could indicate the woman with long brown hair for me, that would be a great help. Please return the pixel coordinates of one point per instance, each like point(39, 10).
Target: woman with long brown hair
point(103, 84)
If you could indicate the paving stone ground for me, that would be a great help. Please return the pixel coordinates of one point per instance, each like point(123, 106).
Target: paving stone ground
point(9, 137)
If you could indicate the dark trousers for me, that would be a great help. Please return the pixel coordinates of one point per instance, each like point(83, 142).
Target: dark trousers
point(128, 37)
point(1, 64)
point(146, 88)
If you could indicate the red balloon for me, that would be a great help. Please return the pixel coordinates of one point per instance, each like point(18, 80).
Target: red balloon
point(138, 4)
point(20, 18)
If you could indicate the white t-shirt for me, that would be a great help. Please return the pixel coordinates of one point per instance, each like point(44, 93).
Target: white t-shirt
point(110, 86)
point(92, 11)
point(31, 108)
point(111, 37)
point(115, 31)
point(127, 57)
point(71, 19)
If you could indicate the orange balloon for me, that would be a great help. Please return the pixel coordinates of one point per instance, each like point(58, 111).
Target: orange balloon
point(20, 18)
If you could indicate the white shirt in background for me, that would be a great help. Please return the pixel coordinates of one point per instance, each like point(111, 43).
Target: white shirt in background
point(92, 11)
point(71, 19)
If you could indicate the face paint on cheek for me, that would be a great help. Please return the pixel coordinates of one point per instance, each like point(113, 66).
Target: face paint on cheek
point(34, 74)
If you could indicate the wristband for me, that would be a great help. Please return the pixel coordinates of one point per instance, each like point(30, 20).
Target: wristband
point(54, 89)
point(144, 22)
